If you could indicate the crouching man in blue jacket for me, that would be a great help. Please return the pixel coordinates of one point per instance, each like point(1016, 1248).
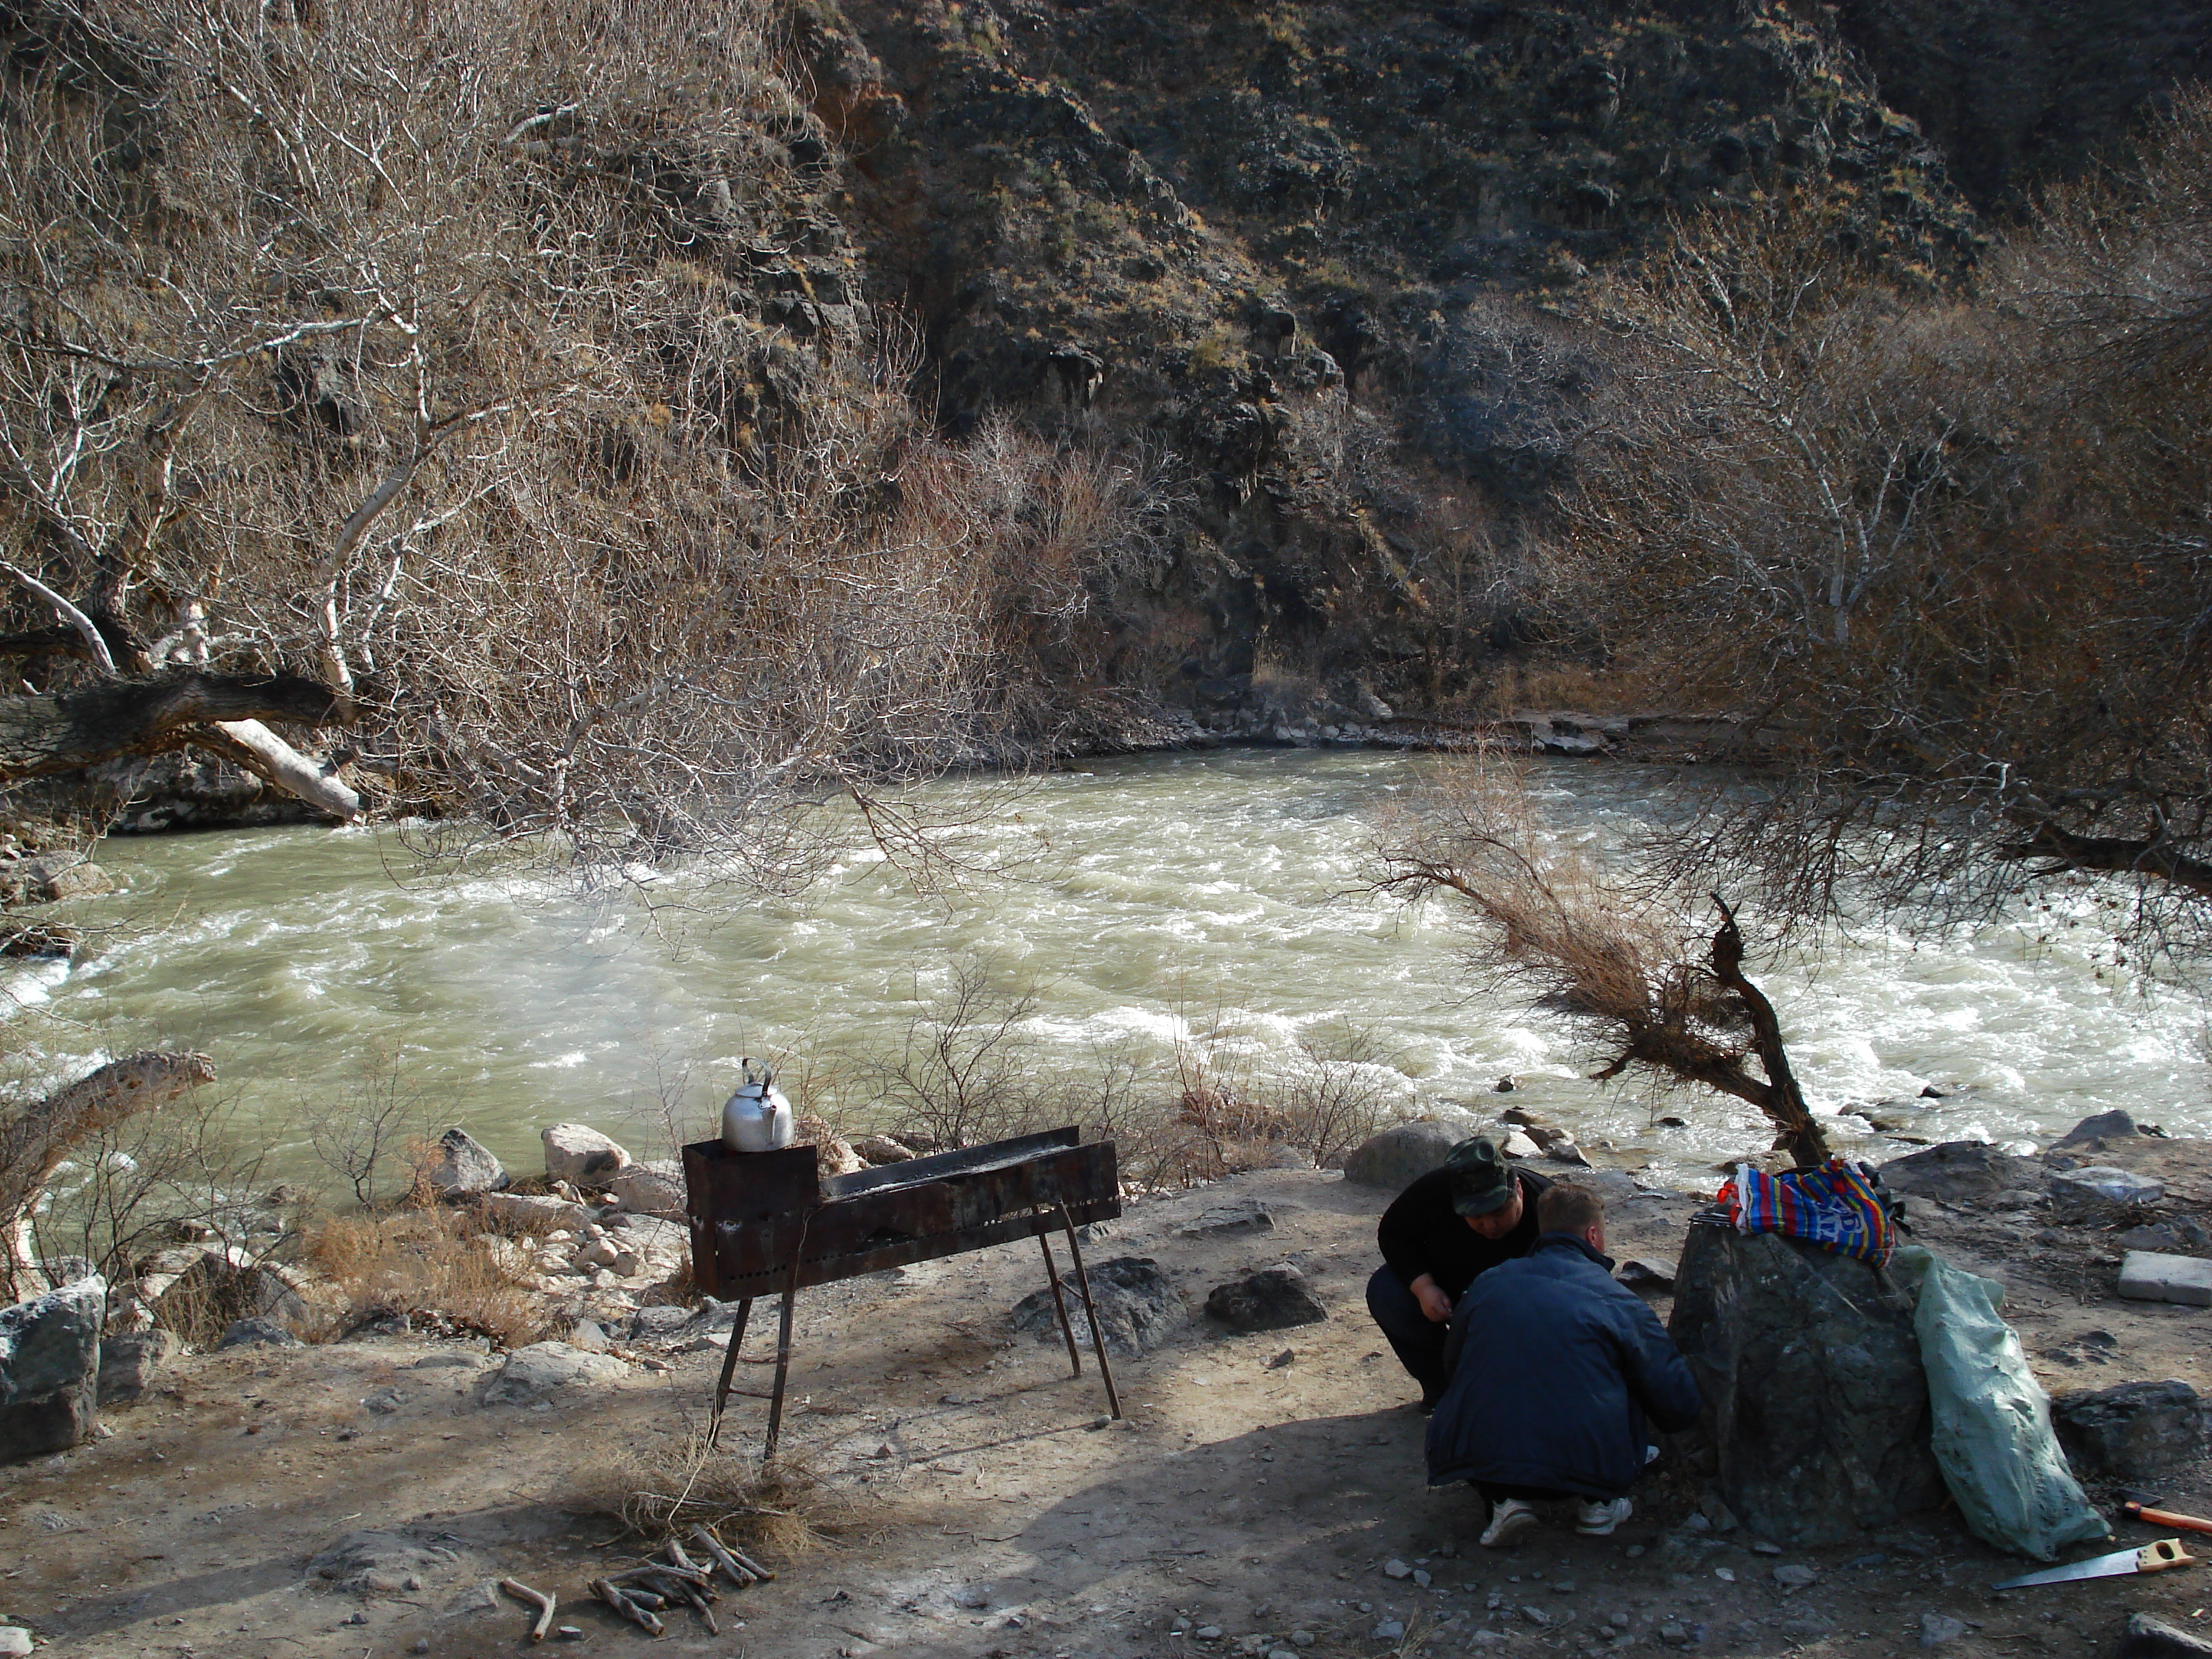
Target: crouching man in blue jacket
point(1553, 1369)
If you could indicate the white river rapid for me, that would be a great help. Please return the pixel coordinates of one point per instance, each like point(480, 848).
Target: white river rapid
point(1195, 896)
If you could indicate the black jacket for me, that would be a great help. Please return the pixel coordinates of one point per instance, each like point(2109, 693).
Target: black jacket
point(1554, 1368)
point(1421, 1233)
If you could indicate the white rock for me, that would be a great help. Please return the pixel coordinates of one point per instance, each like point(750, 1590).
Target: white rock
point(2097, 1183)
point(15, 1642)
point(2148, 1276)
point(655, 1188)
point(1937, 1628)
point(583, 1155)
point(545, 1368)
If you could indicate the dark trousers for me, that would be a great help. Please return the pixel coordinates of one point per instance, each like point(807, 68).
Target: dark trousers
point(1497, 1494)
point(1417, 1341)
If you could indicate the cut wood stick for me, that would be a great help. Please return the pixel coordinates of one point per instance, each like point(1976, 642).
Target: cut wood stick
point(747, 1563)
point(628, 1609)
point(522, 1592)
point(722, 1559)
point(680, 1591)
point(659, 1569)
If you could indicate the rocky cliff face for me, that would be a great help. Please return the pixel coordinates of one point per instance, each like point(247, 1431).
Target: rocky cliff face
point(1316, 250)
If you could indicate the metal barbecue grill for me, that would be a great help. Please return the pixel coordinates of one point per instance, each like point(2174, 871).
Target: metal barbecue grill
point(768, 1222)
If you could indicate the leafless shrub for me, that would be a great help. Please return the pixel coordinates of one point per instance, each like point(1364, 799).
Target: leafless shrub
point(965, 1071)
point(661, 1485)
point(374, 1138)
point(427, 1261)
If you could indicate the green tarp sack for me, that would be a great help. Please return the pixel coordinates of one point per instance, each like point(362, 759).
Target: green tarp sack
point(1992, 1421)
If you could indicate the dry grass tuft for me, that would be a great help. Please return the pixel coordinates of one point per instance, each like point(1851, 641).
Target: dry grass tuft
point(664, 1485)
point(429, 1262)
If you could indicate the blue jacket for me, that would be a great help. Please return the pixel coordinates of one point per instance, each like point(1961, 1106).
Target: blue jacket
point(1554, 1368)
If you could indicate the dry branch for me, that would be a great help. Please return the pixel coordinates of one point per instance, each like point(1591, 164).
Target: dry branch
point(538, 1599)
point(59, 732)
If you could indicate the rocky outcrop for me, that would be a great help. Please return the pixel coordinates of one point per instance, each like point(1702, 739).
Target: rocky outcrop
point(544, 1369)
point(2135, 1431)
point(1816, 1422)
point(49, 1370)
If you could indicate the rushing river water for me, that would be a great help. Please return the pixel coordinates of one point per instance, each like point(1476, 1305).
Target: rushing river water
point(1194, 897)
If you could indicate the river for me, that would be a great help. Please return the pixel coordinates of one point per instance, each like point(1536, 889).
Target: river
point(1196, 898)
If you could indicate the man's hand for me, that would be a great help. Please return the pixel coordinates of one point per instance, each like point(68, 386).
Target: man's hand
point(1434, 1303)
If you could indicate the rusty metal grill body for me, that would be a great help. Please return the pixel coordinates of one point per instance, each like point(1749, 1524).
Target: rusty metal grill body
point(765, 1223)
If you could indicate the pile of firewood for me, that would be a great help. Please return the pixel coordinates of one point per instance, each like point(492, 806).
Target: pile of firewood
point(640, 1593)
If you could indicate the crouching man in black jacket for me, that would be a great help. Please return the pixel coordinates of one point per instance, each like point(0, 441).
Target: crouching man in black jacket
point(1554, 1368)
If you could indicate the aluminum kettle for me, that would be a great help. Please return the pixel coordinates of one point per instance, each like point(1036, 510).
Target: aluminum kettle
point(757, 1118)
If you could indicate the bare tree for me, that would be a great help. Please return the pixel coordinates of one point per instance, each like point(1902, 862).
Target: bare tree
point(1550, 924)
point(1943, 558)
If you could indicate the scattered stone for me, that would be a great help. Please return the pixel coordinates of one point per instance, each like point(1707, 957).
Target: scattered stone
point(1538, 1617)
point(569, 1632)
point(1250, 1216)
point(657, 1323)
point(463, 1164)
point(1302, 1638)
point(654, 1188)
point(2097, 1184)
point(1389, 1630)
point(1816, 1415)
point(256, 1333)
point(1760, 1546)
point(1273, 1299)
point(379, 1562)
point(1400, 1155)
point(533, 1212)
point(1937, 1628)
point(2147, 1276)
point(1394, 1568)
point(1806, 1627)
point(1794, 1577)
point(1282, 1359)
point(1519, 1146)
point(1647, 1274)
point(2147, 1637)
point(385, 1401)
point(1957, 1169)
point(15, 1642)
point(1207, 1633)
point(545, 1368)
point(129, 1361)
point(1137, 1306)
point(1674, 1635)
point(2135, 1431)
point(2115, 1125)
point(574, 1152)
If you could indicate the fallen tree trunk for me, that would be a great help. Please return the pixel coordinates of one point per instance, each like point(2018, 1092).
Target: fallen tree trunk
point(34, 1139)
point(45, 733)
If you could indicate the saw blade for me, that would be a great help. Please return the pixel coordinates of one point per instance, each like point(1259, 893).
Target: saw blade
point(2166, 1552)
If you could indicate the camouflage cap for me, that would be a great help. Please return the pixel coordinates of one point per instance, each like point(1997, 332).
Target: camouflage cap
point(1480, 1182)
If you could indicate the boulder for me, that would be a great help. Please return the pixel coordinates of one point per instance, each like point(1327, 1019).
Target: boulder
point(380, 1562)
point(1137, 1306)
point(1957, 1169)
point(2182, 1236)
point(49, 1370)
point(2115, 1125)
point(1400, 1155)
point(463, 1164)
point(1816, 1420)
point(2097, 1186)
point(543, 1369)
point(1519, 1146)
point(2147, 1637)
point(130, 1361)
point(48, 878)
point(1230, 1221)
point(530, 1212)
point(2135, 1431)
point(654, 1188)
point(1273, 1299)
point(1647, 1274)
point(574, 1152)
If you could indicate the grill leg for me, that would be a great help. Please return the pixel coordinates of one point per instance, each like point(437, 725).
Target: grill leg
point(729, 1371)
point(782, 1372)
point(1060, 1302)
point(1091, 1309)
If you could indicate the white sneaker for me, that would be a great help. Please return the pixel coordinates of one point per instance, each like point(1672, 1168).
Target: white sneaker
point(1509, 1522)
point(1599, 1515)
